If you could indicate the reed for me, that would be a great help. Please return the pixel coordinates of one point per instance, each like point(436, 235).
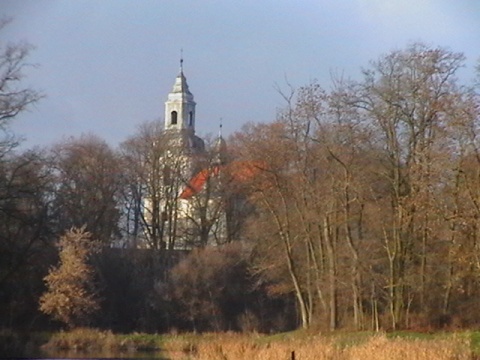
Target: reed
point(237, 347)
point(82, 339)
point(380, 348)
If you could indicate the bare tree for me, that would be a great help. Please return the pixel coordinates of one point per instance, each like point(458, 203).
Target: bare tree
point(206, 195)
point(25, 233)
point(155, 178)
point(408, 97)
point(24, 186)
point(141, 157)
point(14, 98)
point(274, 227)
point(88, 184)
point(360, 171)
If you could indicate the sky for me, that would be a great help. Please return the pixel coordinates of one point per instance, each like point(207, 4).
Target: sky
point(106, 66)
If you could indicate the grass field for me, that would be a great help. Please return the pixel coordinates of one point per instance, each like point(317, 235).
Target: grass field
point(302, 345)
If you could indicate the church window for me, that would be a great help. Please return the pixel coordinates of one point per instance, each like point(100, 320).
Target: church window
point(190, 118)
point(173, 118)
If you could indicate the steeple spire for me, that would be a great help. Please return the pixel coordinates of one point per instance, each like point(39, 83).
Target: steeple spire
point(220, 146)
point(180, 106)
point(181, 61)
point(220, 129)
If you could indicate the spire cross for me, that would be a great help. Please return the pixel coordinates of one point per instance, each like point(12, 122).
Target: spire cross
point(181, 60)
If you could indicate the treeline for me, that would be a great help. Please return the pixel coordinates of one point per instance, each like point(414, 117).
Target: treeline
point(358, 207)
point(368, 209)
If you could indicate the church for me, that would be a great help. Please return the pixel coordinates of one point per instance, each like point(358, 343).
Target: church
point(190, 211)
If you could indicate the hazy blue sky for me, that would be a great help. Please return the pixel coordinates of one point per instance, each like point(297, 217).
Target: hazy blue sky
point(107, 65)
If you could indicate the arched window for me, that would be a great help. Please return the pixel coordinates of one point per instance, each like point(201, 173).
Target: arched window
point(190, 118)
point(173, 119)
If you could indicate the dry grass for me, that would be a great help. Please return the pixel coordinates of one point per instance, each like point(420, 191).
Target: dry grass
point(307, 346)
point(238, 347)
point(81, 339)
point(380, 348)
point(249, 350)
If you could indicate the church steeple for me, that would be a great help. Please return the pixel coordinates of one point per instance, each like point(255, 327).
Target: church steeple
point(180, 106)
point(220, 147)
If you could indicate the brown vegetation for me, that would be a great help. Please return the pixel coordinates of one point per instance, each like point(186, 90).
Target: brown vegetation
point(371, 216)
point(364, 214)
point(71, 296)
point(236, 347)
point(231, 346)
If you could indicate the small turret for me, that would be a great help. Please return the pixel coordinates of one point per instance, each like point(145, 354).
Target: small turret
point(220, 147)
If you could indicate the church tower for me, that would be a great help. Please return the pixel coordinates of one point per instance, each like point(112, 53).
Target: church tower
point(180, 107)
point(184, 209)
